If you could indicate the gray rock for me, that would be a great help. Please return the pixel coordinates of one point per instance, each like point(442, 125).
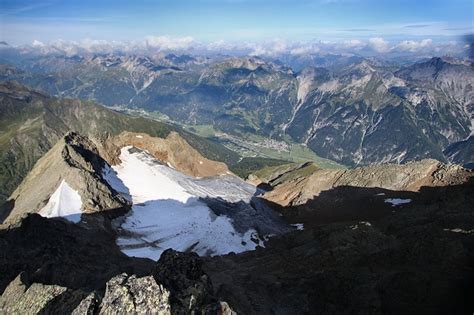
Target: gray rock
point(131, 295)
point(22, 298)
point(88, 306)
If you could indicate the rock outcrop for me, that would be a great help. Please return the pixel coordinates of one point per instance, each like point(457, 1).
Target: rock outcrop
point(414, 258)
point(52, 266)
point(74, 160)
point(172, 150)
point(295, 185)
point(131, 295)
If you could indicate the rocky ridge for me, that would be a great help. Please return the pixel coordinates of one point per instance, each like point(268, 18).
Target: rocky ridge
point(296, 184)
point(411, 257)
point(172, 150)
point(75, 160)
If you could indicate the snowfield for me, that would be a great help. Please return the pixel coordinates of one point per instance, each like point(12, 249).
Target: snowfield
point(397, 201)
point(65, 202)
point(173, 210)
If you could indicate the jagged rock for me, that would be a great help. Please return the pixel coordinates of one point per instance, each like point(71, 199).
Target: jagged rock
point(70, 255)
point(88, 306)
point(226, 309)
point(190, 287)
point(23, 297)
point(60, 267)
point(414, 260)
point(75, 161)
point(131, 295)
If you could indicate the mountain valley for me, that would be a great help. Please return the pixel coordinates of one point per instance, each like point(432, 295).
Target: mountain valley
point(179, 183)
point(343, 113)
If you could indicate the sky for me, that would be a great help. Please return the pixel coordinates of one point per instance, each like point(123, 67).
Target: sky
point(22, 22)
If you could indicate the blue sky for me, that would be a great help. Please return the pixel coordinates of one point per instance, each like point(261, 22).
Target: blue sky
point(234, 20)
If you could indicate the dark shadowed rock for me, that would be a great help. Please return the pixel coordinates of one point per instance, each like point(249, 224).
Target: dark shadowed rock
point(51, 266)
point(191, 290)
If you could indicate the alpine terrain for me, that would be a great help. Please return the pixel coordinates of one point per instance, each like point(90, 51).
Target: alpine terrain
point(293, 157)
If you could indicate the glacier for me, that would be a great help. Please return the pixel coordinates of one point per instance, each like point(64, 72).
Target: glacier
point(210, 216)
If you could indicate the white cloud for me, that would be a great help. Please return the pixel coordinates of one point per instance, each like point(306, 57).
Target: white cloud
point(37, 43)
point(379, 44)
point(169, 43)
point(413, 46)
point(271, 48)
point(353, 43)
point(305, 49)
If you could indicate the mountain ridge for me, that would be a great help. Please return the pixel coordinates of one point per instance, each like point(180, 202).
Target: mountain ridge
point(345, 114)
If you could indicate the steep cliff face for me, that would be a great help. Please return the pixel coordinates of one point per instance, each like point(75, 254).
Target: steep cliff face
point(461, 152)
point(366, 113)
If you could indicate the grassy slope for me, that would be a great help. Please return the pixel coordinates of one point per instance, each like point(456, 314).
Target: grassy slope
point(288, 171)
point(249, 165)
point(296, 153)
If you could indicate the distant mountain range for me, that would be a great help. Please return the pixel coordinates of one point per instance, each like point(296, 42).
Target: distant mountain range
point(349, 109)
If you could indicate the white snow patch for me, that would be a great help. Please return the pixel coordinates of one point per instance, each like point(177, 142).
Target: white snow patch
point(167, 213)
point(139, 136)
point(415, 98)
point(110, 175)
point(361, 223)
point(298, 226)
point(392, 81)
point(65, 202)
point(397, 201)
point(459, 230)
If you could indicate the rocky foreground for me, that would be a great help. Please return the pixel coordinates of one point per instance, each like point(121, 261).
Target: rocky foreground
point(415, 258)
point(52, 266)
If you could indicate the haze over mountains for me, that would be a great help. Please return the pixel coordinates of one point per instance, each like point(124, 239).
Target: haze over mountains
point(169, 176)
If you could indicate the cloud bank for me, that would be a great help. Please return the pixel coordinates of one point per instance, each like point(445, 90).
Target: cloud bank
point(273, 48)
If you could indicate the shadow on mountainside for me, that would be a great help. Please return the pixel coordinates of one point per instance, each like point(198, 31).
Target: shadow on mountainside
point(6, 208)
point(79, 267)
point(416, 259)
point(76, 256)
point(359, 254)
point(350, 203)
